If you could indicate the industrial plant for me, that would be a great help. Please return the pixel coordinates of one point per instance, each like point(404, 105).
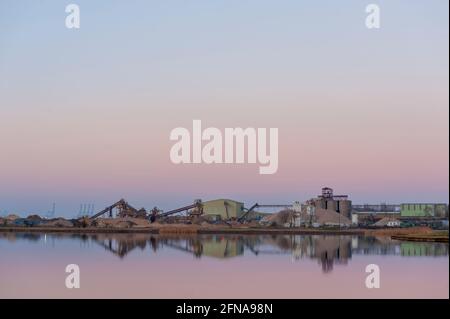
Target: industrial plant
point(325, 211)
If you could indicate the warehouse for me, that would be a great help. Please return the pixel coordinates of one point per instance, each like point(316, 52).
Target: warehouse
point(223, 208)
point(424, 210)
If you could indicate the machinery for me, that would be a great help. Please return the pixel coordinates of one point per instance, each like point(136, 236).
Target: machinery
point(196, 209)
point(256, 205)
point(248, 211)
point(123, 210)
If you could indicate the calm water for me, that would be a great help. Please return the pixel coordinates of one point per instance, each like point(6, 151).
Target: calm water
point(216, 266)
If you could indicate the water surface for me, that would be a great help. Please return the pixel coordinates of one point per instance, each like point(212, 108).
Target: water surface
point(219, 266)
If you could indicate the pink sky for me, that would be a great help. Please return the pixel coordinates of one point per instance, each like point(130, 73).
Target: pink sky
point(86, 115)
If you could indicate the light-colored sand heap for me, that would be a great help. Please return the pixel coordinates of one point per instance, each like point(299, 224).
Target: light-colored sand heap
point(127, 222)
point(280, 218)
point(385, 221)
point(321, 217)
point(57, 222)
point(330, 218)
point(34, 217)
point(12, 217)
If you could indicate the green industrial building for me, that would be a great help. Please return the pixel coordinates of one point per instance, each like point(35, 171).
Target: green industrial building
point(223, 209)
point(423, 210)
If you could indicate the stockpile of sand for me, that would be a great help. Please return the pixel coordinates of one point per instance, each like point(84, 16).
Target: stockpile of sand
point(280, 218)
point(384, 221)
point(126, 222)
point(57, 222)
point(112, 223)
point(330, 218)
point(11, 217)
point(138, 222)
point(34, 217)
point(323, 217)
point(9, 220)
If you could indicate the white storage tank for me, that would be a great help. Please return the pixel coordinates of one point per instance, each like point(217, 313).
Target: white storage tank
point(355, 219)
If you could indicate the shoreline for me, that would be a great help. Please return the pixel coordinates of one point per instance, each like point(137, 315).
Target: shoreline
point(183, 230)
point(417, 234)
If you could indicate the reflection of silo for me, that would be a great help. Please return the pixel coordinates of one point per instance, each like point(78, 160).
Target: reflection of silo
point(345, 207)
point(331, 205)
point(345, 248)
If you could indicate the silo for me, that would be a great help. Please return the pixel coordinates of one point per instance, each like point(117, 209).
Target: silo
point(345, 208)
point(320, 203)
point(332, 205)
point(355, 219)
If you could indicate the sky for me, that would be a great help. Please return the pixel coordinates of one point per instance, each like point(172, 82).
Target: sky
point(86, 114)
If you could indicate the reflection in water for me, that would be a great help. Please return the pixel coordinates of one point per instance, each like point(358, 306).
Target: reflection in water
point(327, 250)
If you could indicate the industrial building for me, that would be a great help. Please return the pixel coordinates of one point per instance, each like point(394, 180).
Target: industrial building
point(424, 210)
point(338, 203)
point(369, 214)
point(223, 209)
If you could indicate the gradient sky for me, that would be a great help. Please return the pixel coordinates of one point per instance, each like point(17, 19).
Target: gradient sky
point(85, 115)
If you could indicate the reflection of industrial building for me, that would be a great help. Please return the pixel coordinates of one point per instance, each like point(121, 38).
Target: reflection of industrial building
point(222, 248)
point(211, 246)
point(338, 203)
point(423, 249)
point(328, 250)
point(122, 244)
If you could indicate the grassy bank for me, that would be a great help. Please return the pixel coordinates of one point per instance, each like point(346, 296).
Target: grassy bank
point(422, 234)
